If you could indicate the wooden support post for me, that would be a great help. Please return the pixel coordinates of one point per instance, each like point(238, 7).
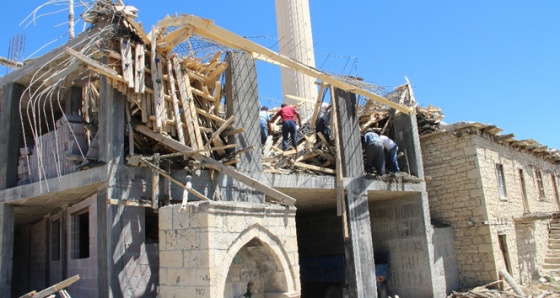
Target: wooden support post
point(157, 79)
point(155, 182)
point(317, 105)
point(139, 69)
point(126, 62)
point(189, 109)
point(176, 111)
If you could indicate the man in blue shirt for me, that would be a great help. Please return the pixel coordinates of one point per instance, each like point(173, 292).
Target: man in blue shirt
point(375, 154)
point(265, 123)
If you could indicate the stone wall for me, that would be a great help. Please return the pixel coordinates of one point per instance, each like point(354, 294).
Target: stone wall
point(216, 249)
point(456, 197)
point(464, 192)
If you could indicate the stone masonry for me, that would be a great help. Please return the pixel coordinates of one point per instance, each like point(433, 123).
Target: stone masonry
point(216, 249)
point(464, 191)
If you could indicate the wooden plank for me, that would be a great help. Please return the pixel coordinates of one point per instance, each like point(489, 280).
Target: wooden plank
point(139, 30)
point(139, 69)
point(233, 132)
point(161, 172)
point(210, 116)
point(188, 153)
point(176, 111)
point(94, 65)
point(208, 29)
point(144, 107)
point(214, 164)
point(218, 131)
point(338, 165)
point(314, 168)
point(130, 203)
point(157, 79)
point(126, 62)
point(217, 96)
point(189, 109)
point(203, 94)
point(318, 103)
point(216, 73)
point(56, 287)
point(155, 183)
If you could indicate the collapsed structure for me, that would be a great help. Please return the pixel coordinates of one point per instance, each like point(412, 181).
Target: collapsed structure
point(139, 167)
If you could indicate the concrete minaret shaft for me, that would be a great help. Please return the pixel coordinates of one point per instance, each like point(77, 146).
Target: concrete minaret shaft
point(295, 41)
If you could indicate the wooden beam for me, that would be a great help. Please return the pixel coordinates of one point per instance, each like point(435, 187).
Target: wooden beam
point(214, 164)
point(127, 62)
point(218, 131)
point(338, 165)
point(139, 69)
point(157, 79)
point(176, 111)
point(208, 29)
point(314, 168)
point(94, 65)
point(56, 287)
point(318, 102)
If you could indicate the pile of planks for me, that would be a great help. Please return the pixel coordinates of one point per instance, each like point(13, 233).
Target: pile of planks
point(428, 119)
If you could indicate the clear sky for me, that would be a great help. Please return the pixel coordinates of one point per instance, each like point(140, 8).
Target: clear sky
point(495, 62)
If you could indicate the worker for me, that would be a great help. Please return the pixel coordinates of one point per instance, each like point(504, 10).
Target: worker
point(375, 155)
point(288, 114)
point(322, 124)
point(391, 149)
point(265, 124)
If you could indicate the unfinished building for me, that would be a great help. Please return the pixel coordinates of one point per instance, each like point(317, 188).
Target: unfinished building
point(133, 163)
point(500, 195)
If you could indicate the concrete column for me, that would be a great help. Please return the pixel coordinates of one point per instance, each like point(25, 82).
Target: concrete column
point(408, 140)
point(6, 247)
point(296, 41)
point(359, 247)
point(111, 123)
point(10, 134)
point(242, 101)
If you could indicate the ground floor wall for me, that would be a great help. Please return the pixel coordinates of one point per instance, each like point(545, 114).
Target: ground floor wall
point(228, 249)
point(67, 243)
point(532, 245)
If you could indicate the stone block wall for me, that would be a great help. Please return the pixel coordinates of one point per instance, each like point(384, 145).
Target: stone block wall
point(464, 192)
point(530, 249)
point(456, 197)
point(216, 249)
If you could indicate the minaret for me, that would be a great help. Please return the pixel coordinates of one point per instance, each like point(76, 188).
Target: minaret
point(295, 41)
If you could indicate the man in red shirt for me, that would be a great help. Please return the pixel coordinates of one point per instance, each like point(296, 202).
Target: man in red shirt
point(288, 115)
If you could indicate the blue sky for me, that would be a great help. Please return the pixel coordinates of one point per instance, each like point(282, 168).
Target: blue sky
point(495, 62)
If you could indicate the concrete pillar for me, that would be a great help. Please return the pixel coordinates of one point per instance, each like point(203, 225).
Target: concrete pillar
point(408, 140)
point(296, 41)
point(359, 247)
point(111, 123)
point(242, 101)
point(10, 134)
point(6, 247)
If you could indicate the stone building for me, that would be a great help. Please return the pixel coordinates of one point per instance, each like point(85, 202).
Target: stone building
point(499, 195)
point(131, 224)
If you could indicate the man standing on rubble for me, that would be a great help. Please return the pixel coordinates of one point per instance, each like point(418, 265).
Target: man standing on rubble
point(375, 155)
point(288, 115)
point(322, 125)
point(265, 124)
point(391, 154)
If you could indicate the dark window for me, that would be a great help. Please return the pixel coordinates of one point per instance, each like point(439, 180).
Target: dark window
point(55, 240)
point(80, 234)
point(555, 187)
point(540, 184)
point(523, 191)
point(501, 180)
point(151, 229)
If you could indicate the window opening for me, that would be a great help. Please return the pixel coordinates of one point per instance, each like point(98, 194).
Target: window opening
point(80, 233)
point(540, 184)
point(501, 181)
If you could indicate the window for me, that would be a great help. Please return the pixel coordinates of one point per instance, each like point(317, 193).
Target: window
point(55, 240)
point(540, 185)
point(555, 187)
point(501, 181)
point(80, 235)
point(523, 191)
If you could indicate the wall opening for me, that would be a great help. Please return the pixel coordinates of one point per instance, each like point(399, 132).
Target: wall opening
point(504, 248)
point(255, 270)
point(523, 191)
point(80, 235)
point(501, 181)
point(540, 185)
point(55, 240)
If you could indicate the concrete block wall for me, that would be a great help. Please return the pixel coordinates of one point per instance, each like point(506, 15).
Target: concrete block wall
point(445, 260)
point(85, 267)
point(399, 228)
point(203, 252)
point(38, 256)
